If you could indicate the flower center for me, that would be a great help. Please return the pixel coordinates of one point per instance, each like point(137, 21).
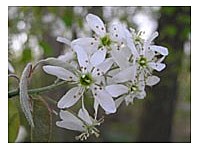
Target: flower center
point(133, 88)
point(105, 41)
point(86, 79)
point(142, 62)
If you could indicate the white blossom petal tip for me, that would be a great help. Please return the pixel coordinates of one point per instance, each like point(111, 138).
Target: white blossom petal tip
point(157, 66)
point(82, 56)
point(116, 90)
point(60, 73)
point(63, 40)
point(96, 24)
point(106, 101)
point(160, 49)
point(152, 80)
point(70, 121)
point(70, 98)
point(98, 57)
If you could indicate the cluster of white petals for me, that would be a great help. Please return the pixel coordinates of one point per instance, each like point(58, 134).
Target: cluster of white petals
point(116, 65)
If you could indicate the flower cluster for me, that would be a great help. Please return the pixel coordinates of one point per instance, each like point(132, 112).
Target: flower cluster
point(115, 65)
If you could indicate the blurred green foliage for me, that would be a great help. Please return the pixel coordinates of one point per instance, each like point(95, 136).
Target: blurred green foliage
point(13, 121)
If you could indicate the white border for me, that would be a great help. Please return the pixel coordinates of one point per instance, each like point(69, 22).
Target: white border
point(99, 3)
point(195, 72)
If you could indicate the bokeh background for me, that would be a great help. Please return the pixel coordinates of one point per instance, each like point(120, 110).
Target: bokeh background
point(163, 116)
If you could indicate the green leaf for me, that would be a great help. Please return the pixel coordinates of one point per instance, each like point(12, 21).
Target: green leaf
point(23, 93)
point(13, 121)
point(42, 117)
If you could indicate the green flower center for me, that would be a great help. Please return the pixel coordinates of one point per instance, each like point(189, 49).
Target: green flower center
point(142, 62)
point(133, 88)
point(105, 41)
point(86, 79)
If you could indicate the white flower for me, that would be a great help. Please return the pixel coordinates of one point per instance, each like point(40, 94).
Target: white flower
point(103, 42)
point(115, 33)
point(83, 123)
point(134, 87)
point(146, 57)
point(90, 76)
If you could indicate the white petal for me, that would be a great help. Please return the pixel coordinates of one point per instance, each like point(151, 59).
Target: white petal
point(96, 24)
point(116, 32)
point(160, 59)
point(157, 66)
point(141, 84)
point(71, 97)
point(60, 72)
point(141, 94)
point(82, 56)
point(67, 116)
point(120, 58)
point(98, 57)
point(70, 125)
point(149, 54)
point(90, 44)
point(160, 49)
point(96, 106)
point(116, 90)
point(152, 37)
point(64, 40)
point(70, 121)
point(152, 80)
point(68, 56)
point(119, 101)
point(83, 114)
point(130, 44)
point(127, 74)
point(105, 101)
point(96, 103)
point(103, 67)
point(10, 68)
point(125, 51)
point(129, 99)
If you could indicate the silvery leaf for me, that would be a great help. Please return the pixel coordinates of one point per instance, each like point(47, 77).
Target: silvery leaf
point(23, 93)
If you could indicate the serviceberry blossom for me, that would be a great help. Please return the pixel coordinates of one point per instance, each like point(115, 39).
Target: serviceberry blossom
point(103, 41)
point(116, 65)
point(83, 123)
point(88, 77)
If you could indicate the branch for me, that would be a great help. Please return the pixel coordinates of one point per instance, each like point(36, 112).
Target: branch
point(15, 92)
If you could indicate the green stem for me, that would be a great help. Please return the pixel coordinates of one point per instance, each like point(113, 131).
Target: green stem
point(15, 92)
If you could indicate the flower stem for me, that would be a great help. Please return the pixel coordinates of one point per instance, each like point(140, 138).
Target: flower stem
point(15, 92)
